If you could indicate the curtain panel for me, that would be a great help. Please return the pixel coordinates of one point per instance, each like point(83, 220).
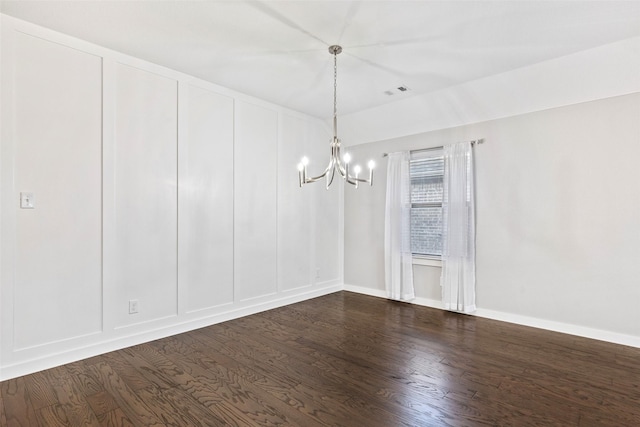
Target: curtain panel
point(397, 231)
point(458, 278)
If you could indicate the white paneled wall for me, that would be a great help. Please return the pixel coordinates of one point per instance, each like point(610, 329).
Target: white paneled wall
point(295, 233)
point(57, 243)
point(150, 187)
point(145, 192)
point(255, 168)
point(206, 200)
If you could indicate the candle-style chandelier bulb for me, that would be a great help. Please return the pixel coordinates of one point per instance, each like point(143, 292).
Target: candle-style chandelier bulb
point(336, 163)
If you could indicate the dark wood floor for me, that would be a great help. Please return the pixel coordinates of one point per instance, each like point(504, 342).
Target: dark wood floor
point(343, 359)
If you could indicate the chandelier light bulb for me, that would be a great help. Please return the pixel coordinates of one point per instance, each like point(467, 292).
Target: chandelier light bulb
point(357, 169)
point(305, 161)
point(300, 167)
point(347, 158)
point(371, 164)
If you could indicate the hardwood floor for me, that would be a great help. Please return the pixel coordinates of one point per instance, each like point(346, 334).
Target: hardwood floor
point(343, 359)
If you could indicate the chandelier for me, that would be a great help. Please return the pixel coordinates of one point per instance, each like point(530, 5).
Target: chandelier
point(336, 162)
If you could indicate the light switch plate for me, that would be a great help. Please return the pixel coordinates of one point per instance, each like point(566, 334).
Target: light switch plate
point(27, 201)
point(133, 306)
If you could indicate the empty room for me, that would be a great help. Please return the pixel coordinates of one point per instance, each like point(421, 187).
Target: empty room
point(319, 213)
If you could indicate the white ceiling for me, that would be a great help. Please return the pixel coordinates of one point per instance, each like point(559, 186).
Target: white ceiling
point(277, 50)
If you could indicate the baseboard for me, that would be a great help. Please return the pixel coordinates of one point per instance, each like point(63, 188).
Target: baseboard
point(365, 291)
point(565, 328)
point(426, 302)
point(52, 360)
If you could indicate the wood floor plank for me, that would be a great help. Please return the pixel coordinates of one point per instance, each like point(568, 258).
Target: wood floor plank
point(282, 368)
point(343, 359)
point(101, 403)
point(126, 372)
point(128, 401)
point(83, 379)
point(116, 418)
point(236, 393)
point(72, 401)
point(164, 409)
point(325, 409)
point(53, 416)
point(187, 405)
point(3, 419)
point(135, 357)
point(198, 389)
point(18, 410)
point(290, 406)
point(164, 370)
point(228, 350)
point(41, 391)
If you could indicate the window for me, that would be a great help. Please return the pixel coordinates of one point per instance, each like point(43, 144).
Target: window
point(426, 170)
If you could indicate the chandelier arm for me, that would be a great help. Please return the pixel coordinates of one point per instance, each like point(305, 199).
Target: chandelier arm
point(314, 179)
point(330, 180)
point(319, 177)
point(360, 180)
point(354, 181)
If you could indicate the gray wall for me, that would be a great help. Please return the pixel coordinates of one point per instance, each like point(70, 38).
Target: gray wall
point(558, 215)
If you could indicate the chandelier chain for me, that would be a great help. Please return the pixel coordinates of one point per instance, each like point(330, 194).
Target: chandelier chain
point(335, 93)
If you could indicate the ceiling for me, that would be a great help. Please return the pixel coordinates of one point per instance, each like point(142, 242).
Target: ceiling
point(277, 50)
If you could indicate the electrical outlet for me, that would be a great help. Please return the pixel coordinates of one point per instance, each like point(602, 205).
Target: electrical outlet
point(133, 306)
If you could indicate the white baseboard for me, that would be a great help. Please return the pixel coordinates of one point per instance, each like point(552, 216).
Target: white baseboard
point(565, 328)
point(56, 359)
point(52, 360)
point(365, 291)
point(426, 302)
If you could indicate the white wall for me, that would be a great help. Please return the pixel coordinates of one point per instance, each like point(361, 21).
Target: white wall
point(558, 218)
point(150, 186)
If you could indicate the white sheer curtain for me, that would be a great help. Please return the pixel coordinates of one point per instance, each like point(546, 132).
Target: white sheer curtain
point(458, 234)
point(397, 229)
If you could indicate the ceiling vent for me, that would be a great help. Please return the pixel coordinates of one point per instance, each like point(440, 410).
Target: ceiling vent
point(399, 89)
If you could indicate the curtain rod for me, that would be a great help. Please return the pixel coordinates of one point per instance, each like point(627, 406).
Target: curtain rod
point(440, 147)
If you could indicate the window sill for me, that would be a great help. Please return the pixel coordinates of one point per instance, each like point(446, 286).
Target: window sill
point(430, 262)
